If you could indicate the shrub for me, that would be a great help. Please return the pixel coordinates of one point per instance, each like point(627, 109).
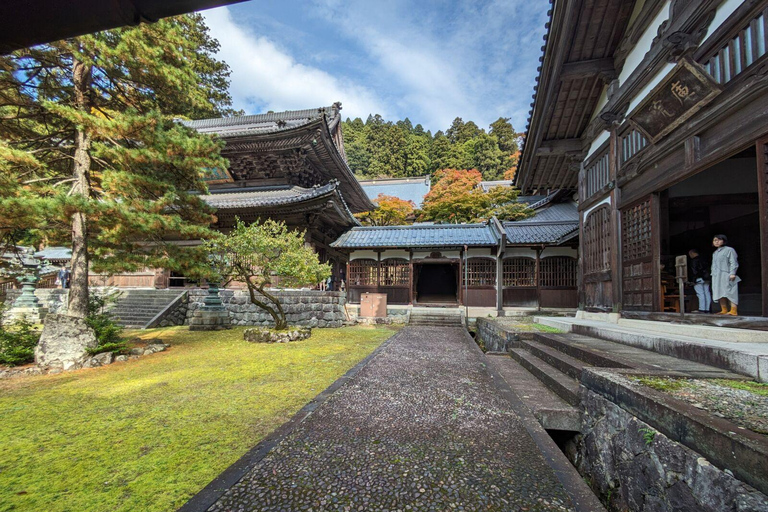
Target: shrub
point(17, 342)
point(108, 333)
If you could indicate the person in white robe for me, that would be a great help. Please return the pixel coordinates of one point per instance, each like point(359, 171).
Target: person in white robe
point(725, 282)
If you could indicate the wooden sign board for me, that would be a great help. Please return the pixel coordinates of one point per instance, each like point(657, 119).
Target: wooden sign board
point(214, 175)
point(681, 265)
point(682, 93)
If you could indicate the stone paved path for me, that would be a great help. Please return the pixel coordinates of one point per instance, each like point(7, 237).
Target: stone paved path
point(421, 427)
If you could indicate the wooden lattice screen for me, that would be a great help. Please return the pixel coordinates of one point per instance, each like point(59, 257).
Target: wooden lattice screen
point(637, 256)
point(597, 241)
point(519, 271)
point(363, 272)
point(481, 272)
point(395, 272)
point(596, 176)
point(557, 272)
point(632, 143)
point(741, 51)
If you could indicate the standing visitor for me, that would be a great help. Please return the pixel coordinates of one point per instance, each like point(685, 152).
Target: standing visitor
point(63, 277)
point(701, 277)
point(725, 282)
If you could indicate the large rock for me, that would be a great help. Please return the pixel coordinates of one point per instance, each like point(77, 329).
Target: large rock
point(64, 342)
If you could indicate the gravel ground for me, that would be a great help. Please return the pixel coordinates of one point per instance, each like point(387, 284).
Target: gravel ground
point(744, 408)
point(421, 427)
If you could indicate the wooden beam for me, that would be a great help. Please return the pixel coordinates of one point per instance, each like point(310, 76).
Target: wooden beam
point(560, 147)
point(588, 68)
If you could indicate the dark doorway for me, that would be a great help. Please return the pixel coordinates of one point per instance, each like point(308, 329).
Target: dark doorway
point(721, 199)
point(436, 283)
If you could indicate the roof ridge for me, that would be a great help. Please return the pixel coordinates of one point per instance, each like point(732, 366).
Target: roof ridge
point(309, 113)
point(428, 226)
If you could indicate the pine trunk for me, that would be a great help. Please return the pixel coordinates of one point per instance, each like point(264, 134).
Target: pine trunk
point(78, 293)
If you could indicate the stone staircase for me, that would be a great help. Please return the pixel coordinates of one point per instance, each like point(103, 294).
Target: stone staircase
point(137, 308)
point(436, 317)
point(545, 371)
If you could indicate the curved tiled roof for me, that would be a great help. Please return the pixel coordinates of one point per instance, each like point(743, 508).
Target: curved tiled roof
point(435, 235)
point(267, 196)
point(261, 123)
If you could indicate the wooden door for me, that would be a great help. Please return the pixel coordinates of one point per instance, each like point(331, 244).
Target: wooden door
point(639, 255)
point(596, 245)
point(762, 185)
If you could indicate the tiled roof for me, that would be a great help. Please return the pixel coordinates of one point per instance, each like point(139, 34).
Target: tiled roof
point(551, 225)
point(267, 196)
point(437, 235)
point(260, 123)
point(54, 253)
point(409, 189)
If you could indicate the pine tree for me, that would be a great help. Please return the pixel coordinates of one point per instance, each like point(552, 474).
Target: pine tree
point(91, 153)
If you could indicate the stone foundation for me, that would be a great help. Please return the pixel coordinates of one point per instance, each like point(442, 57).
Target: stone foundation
point(64, 343)
point(305, 308)
point(631, 466)
point(209, 320)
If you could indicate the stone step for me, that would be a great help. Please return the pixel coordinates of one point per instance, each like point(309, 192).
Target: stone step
point(564, 386)
point(610, 354)
point(552, 411)
point(593, 354)
point(570, 366)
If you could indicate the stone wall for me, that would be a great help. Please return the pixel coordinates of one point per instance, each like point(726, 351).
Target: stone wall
point(54, 299)
point(306, 308)
point(631, 466)
point(493, 337)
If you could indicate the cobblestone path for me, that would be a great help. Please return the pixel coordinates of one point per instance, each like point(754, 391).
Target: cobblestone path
point(421, 427)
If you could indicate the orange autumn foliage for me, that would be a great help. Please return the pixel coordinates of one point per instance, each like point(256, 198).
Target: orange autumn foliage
point(390, 211)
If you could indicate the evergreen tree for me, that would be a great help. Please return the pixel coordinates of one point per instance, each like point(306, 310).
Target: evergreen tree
point(90, 151)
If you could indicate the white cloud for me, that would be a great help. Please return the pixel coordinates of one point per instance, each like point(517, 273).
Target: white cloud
point(266, 77)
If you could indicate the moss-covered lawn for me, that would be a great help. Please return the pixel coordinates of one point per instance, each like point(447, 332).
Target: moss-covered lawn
point(145, 435)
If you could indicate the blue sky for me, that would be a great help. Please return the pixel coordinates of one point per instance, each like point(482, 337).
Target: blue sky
point(427, 60)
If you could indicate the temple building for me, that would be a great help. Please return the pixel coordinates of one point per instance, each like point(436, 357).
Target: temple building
point(493, 265)
point(656, 112)
point(287, 166)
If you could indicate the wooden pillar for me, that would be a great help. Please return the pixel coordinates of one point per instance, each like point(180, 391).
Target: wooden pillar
point(499, 284)
point(347, 283)
point(656, 250)
point(617, 272)
point(762, 187)
point(538, 278)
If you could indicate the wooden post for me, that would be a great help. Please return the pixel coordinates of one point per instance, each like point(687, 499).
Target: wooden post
point(762, 187)
point(656, 251)
point(538, 279)
point(617, 272)
point(346, 285)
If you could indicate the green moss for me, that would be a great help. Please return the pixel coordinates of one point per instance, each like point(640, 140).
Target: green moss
point(746, 385)
point(546, 328)
point(148, 434)
point(662, 384)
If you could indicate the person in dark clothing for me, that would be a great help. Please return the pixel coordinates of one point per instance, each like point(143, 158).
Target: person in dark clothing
point(701, 278)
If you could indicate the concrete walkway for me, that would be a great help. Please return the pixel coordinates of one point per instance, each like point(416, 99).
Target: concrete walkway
point(422, 426)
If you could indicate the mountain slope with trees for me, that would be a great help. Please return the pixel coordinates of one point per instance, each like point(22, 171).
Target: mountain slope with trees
point(378, 148)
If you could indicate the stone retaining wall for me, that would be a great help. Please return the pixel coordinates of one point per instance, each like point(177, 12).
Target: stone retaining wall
point(55, 299)
point(632, 466)
point(494, 337)
point(306, 308)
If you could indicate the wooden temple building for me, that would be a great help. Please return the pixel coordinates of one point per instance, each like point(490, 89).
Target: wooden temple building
point(656, 112)
point(494, 265)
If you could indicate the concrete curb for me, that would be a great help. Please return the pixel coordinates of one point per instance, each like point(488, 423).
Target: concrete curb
point(212, 492)
point(581, 495)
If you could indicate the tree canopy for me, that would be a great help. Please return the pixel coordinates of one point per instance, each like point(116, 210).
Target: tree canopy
point(262, 254)
point(456, 198)
point(90, 153)
point(390, 211)
point(378, 148)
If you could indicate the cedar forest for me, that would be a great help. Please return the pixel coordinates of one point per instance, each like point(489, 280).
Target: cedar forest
point(377, 148)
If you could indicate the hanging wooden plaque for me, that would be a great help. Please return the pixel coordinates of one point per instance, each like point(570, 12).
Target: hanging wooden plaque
point(682, 93)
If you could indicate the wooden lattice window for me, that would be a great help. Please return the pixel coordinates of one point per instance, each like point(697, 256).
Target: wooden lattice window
point(519, 271)
point(596, 176)
point(632, 143)
point(395, 272)
point(597, 241)
point(363, 272)
point(481, 272)
point(636, 231)
point(741, 51)
point(558, 272)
